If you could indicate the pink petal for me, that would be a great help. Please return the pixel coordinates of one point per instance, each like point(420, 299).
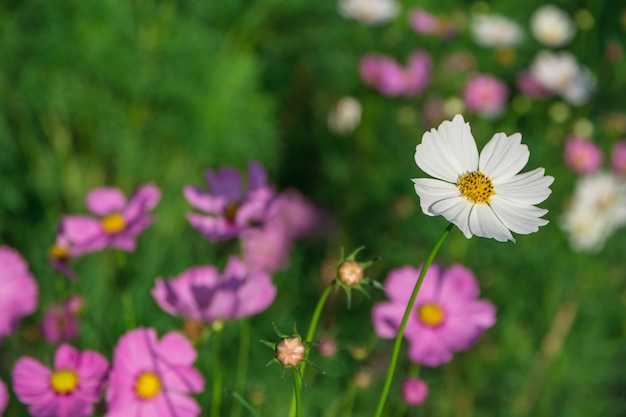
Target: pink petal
point(81, 230)
point(176, 349)
point(255, 295)
point(204, 201)
point(142, 201)
point(429, 348)
point(105, 200)
point(213, 228)
point(257, 177)
point(124, 242)
point(461, 331)
point(66, 357)
point(133, 349)
point(225, 182)
point(30, 379)
point(458, 285)
point(183, 380)
point(175, 405)
point(386, 317)
point(92, 365)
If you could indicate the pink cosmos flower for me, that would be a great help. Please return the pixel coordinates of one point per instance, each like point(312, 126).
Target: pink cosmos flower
point(582, 156)
point(60, 322)
point(230, 207)
point(391, 79)
point(268, 248)
point(201, 293)
point(70, 390)
point(18, 296)
point(4, 396)
point(152, 377)
point(618, 157)
point(530, 87)
point(447, 316)
point(485, 95)
point(414, 391)
point(423, 22)
point(118, 221)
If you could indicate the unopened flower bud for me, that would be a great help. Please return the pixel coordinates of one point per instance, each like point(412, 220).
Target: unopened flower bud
point(290, 351)
point(351, 273)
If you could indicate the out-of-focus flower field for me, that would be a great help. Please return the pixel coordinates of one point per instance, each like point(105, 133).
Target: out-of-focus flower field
point(182, 182)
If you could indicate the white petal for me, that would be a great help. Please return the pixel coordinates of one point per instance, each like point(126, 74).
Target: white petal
point(528, 188)
point(503, 157)
point(518, 218)
point(430, 191)
point(484, 222)
point(456, 210)
point(448, 151)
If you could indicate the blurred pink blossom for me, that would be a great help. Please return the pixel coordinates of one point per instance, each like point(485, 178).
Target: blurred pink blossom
point(414, 391)
point(60, 322)
point(391, 79)
point(423, 22)
point(530, 87)
point(19, 293)
point(582, 156)
point(267, 248)
point(202, 293)
point(486, 95)
point(70, 390)
point(618, 157)
point(447, 316)
point(229, 206)
point(118, 221)
point(152, 377)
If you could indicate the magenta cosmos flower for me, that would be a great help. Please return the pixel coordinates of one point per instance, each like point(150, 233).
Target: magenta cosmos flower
point(18, 296)
point(447, 316)
point(60, 321)
point(391, 79)
point(152, 377)
point(414, 391)
point(118, 221)
point(582, 156)
point(202, 293)
point(230, 206)
point(70, 390)
point(486, 95)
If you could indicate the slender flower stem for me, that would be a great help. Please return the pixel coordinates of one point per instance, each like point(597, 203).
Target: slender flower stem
point(309, 337)
point(217, 376)
point(405, 318)
point(242, 363)
point(296, 391)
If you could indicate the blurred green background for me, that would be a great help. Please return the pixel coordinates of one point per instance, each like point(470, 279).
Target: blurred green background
point(123, 93)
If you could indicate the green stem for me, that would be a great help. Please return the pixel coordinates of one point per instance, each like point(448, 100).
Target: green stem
point(405, 318)
point(217, 376)
point(296, 392)
point(242, 364)
point(309, 337)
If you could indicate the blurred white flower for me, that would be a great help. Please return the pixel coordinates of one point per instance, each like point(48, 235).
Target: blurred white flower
point(598, 208)
point(483, 195)
point(552, 26)
point(560, 73)
point(371, 12)
point(344, 116)
point(495, 31)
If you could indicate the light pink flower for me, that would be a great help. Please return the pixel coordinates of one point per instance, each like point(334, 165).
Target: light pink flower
point(70, 390)
point(299, 216)
point(118, 221)
point(152, 377)
point(18, 294)
point(582, 156)
point(486, 95)
point(267, 248)
point(414, 391)
point(530, 87)
point(423, 22)
point(391, 79)
point(230, 206)
point(4, 396)
point(447, 316)
point(60, 322)
point(202, 293)
point(618, 157)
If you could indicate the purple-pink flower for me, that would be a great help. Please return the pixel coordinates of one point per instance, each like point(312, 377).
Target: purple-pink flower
point(391, 79)
point(425, 23)
point(60, 321)
point(530, 87)
point(152, 377)
point(618, 157)
point(414, 391)
point(18, 294)
point(230, 206)
point(267, 248)
point(4, 396)
point(202, 293)
point(486, 95)
point(447, 316)
point(69, 390)
point(582, 156)
point(117, 220)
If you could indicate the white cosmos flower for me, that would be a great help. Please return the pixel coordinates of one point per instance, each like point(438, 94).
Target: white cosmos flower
point(371, 12)
point(496, 31)
point(552, 26)
point(483, 195)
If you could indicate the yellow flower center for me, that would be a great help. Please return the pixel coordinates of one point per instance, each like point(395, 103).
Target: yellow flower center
point(476, 187)
point(148, 385)
point(61, 253)
point(230, 212)
point(113, 223)
point(430, 314)
point(64, 381)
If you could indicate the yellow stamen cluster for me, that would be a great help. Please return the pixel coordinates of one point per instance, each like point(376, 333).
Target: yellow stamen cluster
point(476, 187)
point(148, 385)
point(430, 314)
point(61, 253)
point(64, 381)
point(113, 223)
